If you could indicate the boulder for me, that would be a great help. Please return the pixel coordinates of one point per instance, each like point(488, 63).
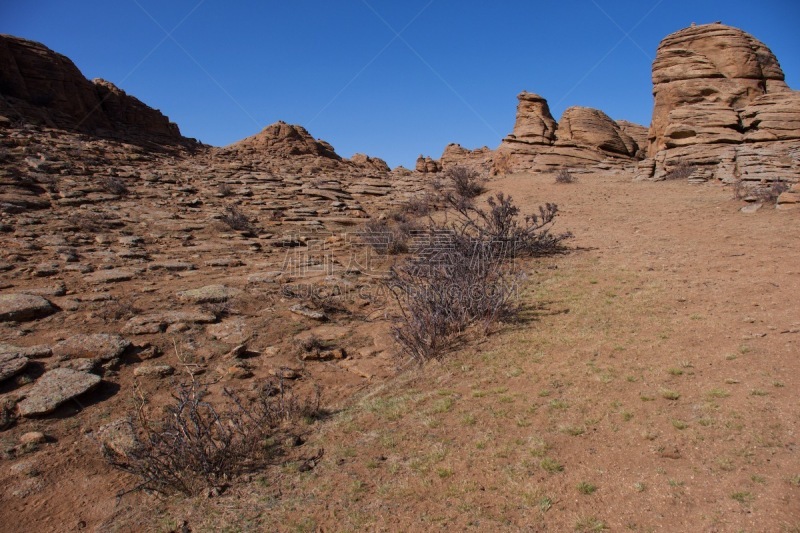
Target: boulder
point(102, 346)
point(20, 307)
point(54, 388)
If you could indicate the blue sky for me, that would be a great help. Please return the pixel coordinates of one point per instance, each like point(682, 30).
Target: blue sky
point(389, 78)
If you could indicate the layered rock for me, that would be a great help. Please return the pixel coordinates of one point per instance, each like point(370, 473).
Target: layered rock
point(722, 107)
point(41, 86)
point(286, 140)
point(427, 165)
point(480, 159)
point(583, 137)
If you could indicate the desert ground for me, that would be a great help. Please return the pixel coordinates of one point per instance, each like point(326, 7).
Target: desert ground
point(649, 386)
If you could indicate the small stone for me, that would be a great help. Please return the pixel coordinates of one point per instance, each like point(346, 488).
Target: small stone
point(19, 307)
point(153, 371)
point(284, 373)
point(54, 388)
point(171, 266)
point(158, 322)
point(750, 208)
point(302, 310)
point(32, 438)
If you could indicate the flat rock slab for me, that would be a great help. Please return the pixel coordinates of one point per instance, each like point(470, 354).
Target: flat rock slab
point(11, 364)
point(153, 371)
point(171, 266)
point(19, 307)
point(54, 388)
point(209, 294)
point(157, 322)
point(31, 352)
point(114, 275)
point(101, 346)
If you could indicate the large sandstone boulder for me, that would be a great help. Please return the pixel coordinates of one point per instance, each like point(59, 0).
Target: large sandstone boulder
point(583, 126)
point(722, 106)
point(534, 124)
point(42, 86)
point(713, 64)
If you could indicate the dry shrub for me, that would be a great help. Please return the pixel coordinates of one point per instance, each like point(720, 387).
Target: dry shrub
point(7, 416)
point(390, 236)
point(681, 171)
point(114, 186)
point(462, 273)
point(466, 183)
point(198, 446)
point(224, 190)
point(565, 176)
point(767, 193)
point(235, 219)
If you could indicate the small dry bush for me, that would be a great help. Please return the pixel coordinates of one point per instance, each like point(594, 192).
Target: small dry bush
point(114, 186)
point(681, 171)
point(197, 446)
point(235, 219)
point(463, 273)
point(224, 190)
point(466, 183)
point(390, 236)
point(565, 176)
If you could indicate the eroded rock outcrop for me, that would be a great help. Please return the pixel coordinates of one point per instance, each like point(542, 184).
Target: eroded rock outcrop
point(480, 159)
point(583, 137)
point(41, 86)
point(282, 139)
point(722, 106)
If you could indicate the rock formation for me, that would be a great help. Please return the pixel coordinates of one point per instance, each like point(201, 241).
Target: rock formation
point(583, 137)
point(480, 159)
point(427, 165)
point(722, 106)
point(41, 86)
point(282, 139)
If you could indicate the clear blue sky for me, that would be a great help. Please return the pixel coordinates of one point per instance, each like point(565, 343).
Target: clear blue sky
point(225, 69)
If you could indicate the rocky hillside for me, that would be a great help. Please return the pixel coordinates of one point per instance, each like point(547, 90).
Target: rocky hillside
point(40, 86)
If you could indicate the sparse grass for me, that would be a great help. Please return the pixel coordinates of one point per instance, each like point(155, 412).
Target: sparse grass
point(743, 497)
point(675, 372)
point(639, 486)
point(718, 393)
point(758, 392)
point(551, 466)
point(589, 524)
point(565, 176)
point(587, 488)
point(668, 394)
point(679, 424)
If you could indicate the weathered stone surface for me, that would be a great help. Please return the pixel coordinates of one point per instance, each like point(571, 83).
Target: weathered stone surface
point(114, 275)
point(534, 123)
point(370, 163)
point(158, 322)
point(479, 160)
point(209, 294)
point(11, 364)
point(19, 307)
point(102, 346)
point(153, 371)
point(583, 126)
point(427, 165)
point(302, 310)
point(711, 63)
point(54, 388)
point(722, 106)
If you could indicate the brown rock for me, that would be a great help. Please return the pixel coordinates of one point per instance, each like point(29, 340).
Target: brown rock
point(534, 123)
point(583, 126)
point(40, 85)
point(19, 307)
point(285, 139)
point(54, 388)
point(101, 346)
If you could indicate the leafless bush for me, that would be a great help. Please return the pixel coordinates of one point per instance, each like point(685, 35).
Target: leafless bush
point(115, 186)
point(681, 171)
point(462, 272)
point(466, 183)
point(7, 416)
point(224, 190)
point(388, 236)
point(235, 219)
point(565, 176)
point(198, 446)
point(452, 283)
point(418, 206)
point(501, 226)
